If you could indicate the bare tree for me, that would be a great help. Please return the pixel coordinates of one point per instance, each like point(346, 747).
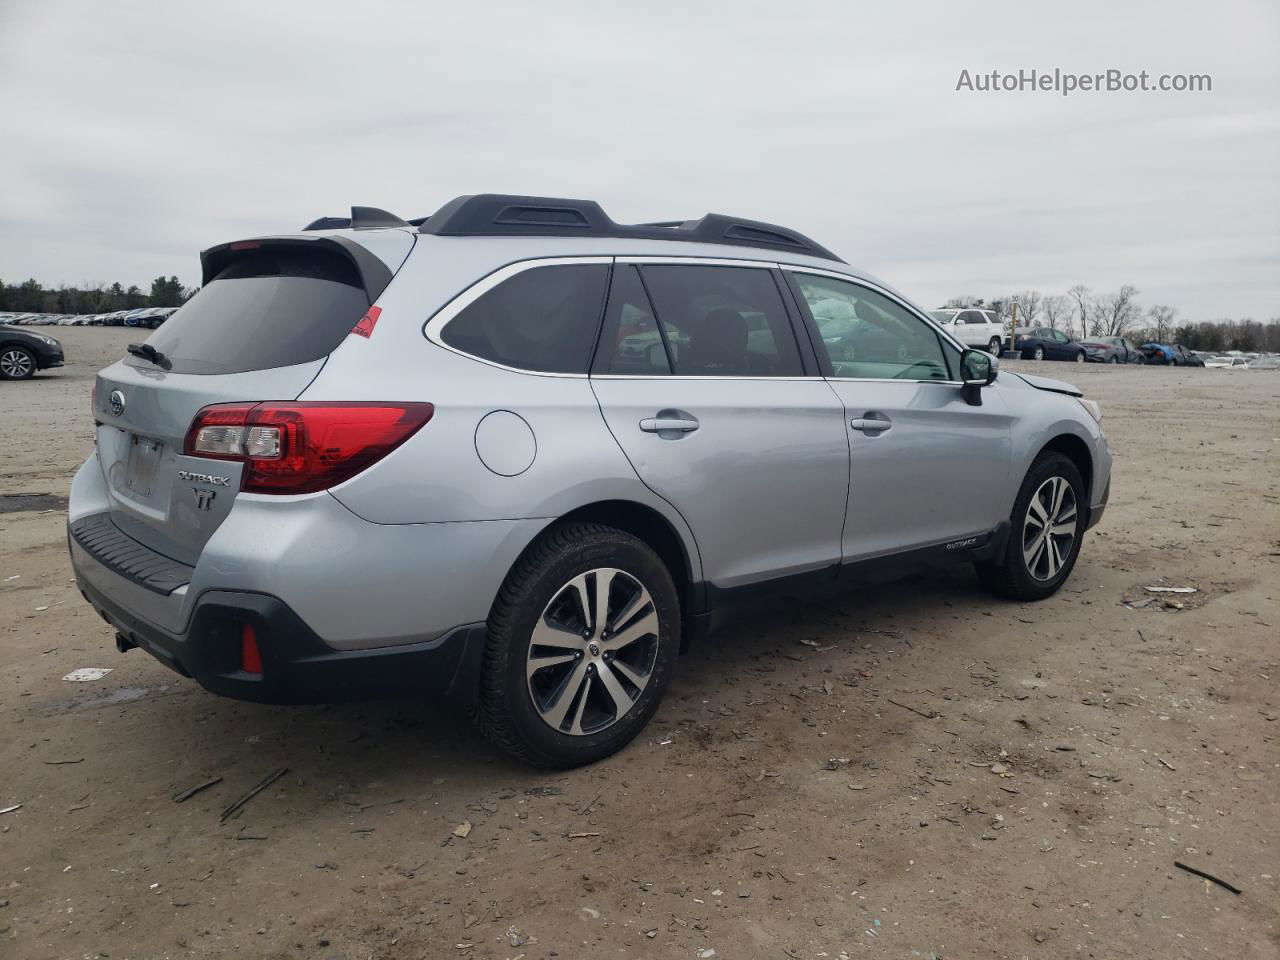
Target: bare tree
point(1057, 311)
point(1161, 319)
point(1083, 298)
point(1114, 313)
point(1030, 303)
point(960, 303)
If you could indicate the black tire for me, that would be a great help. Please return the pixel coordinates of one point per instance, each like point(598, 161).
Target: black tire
point(1008, 576)
point(507, 712)
point(1113, 359)
point(1037, 353)
point(993, 346)
point(1079, 357)
point(17, 363)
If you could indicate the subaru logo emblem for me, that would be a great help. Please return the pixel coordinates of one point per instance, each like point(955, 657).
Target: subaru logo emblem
point(117, 403)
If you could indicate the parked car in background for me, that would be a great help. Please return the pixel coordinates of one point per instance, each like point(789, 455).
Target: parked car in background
point(1227, 363)
point(1112, 350)
point(972, 327)
point(1172, 354)
point(23, 352)
point(1045, 343)
point(265, 509)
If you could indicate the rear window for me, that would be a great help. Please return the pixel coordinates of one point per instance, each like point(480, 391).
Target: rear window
point(543, 319)
point(269, 308)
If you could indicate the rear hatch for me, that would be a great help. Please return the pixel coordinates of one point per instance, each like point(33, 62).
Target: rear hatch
point(269, 312)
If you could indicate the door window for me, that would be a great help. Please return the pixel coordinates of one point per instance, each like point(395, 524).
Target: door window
point(868, 336)
point(542, 319)
point(722, 321)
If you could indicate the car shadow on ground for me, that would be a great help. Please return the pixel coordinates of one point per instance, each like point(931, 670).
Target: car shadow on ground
point(410, 748)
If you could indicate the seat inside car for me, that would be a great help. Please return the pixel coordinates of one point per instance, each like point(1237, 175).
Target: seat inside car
point(719, 344)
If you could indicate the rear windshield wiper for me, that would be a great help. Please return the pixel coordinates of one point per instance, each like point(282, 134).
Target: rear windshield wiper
point(147, 352)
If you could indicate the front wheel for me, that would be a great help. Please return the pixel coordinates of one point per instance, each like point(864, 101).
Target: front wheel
point(1079, 358)
point(1038, 354)
point(1113, 359)
point(17, 363)
point(582, 643)
point(993, 347)
point(1046, 528)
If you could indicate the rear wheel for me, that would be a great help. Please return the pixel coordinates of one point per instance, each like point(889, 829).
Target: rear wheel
point(1113, 359)
point(1038, 354)
point(1079, 358)
point(1046, 529)
point(17, 363)
point(993, 347)
point(582, 643)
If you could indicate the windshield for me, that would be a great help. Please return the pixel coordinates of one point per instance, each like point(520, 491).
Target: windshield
point(943, 316)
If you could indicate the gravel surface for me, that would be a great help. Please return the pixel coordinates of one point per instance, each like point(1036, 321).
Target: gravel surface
point(913, 771)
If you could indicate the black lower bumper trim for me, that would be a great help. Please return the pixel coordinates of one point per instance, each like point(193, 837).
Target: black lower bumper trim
point(297, 666)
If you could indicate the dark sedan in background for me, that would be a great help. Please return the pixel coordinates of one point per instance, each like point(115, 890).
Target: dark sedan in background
point(1112, 350)
point(1044, 343)
point(23, 352)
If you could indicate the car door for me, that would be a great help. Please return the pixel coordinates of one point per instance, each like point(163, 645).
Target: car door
point(1061, 346)
point(969, 328)
point(926, 468)
point(700, 378)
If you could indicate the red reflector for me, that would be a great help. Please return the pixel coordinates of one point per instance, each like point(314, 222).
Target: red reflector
point(246, 245)
point(302, 447)
point(250, 655)
point(364, 326)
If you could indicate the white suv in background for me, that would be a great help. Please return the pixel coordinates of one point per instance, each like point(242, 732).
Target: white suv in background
point(972, 327)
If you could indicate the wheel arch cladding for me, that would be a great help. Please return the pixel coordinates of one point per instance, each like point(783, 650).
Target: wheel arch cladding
point(648, 525)
point(1077, 451)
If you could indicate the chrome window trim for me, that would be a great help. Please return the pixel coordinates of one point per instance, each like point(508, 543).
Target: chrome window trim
point(436, 323)
point(700, 262)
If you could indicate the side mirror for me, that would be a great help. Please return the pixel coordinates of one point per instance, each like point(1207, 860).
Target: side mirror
point(977, 370)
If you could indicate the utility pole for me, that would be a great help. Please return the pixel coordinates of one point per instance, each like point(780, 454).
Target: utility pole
point(1013, 321)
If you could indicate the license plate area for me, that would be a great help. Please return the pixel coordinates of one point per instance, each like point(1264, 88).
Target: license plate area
point(144, 459)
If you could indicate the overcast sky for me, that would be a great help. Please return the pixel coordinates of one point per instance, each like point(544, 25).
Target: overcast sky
point(137, 133)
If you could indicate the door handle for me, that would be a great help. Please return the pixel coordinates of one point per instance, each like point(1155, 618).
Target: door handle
point(662, 424)
point(869, 425)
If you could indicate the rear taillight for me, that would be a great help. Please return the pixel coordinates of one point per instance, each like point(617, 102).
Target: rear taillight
point(302, 447)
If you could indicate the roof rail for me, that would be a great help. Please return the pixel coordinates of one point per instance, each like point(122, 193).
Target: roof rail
point(362, 218)
point(502, 215)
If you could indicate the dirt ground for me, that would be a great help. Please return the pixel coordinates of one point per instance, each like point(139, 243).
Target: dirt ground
point(913, 771)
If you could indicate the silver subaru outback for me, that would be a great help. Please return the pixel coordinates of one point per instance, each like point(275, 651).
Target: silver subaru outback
point(518, 454)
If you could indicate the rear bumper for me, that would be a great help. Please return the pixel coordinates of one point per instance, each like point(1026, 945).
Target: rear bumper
point(297, 666)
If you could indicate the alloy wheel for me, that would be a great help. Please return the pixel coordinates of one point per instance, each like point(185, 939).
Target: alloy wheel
point(16, 364)
point(592, 652)
point(1049, 530)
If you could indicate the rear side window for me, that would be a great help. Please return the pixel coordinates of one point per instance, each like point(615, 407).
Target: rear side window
point(723, 321)
point(543, 319)
point(272, 307)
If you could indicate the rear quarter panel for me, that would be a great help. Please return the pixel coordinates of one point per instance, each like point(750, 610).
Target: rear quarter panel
point(438, 476)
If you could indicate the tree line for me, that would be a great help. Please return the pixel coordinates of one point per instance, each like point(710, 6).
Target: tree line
point(1082, 313)
point(31, 296)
